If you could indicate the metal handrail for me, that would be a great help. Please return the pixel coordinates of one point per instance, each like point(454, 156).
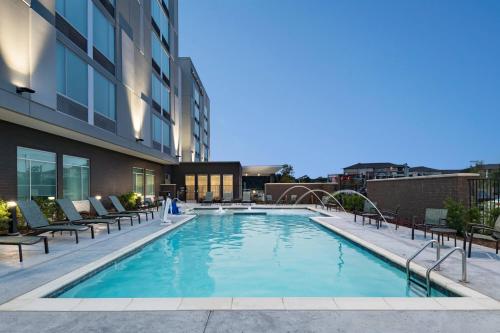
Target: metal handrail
point(438, 254)
point(437, 263)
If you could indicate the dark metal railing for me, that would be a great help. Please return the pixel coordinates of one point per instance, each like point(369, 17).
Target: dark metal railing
point(485, 195)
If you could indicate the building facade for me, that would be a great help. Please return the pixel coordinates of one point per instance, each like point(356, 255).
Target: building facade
point(366, 171)
point(90, 97)
point(195, 138)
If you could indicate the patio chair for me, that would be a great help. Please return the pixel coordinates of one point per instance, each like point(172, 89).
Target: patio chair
point(293, 198)
point(74, 216)
point(392, 216)
point(209, 198)
point(368, 211)
point(246, 198)
point(19, 241)
point(434, 218)
point(103, 213)
point(227, 197)
point(37, 222)
point(492, 235)
point(120, 209)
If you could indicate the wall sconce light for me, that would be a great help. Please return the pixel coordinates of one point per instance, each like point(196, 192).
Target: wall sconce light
point(20, 90)
point(139, 140)
point(98, 197)
point(11, 205)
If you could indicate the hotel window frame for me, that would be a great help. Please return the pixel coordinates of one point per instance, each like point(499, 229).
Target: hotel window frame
point(148, 187)
point(98, 15)
point(65, 164)
point(111, 95)
point(29, 169)
point(138, 173)
point(156, 121)
point(82, 30)
point(67, 55)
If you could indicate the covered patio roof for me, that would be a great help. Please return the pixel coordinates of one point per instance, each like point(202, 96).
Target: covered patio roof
point(260, 170)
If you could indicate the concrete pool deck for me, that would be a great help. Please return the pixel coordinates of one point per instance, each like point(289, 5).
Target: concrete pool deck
point(239, 314)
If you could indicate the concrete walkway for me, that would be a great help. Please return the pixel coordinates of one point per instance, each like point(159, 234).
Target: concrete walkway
point(483, 267)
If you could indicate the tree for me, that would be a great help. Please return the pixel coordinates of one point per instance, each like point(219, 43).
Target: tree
point(285, 175)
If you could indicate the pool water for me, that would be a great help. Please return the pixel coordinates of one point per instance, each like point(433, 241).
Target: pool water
point(224, 255)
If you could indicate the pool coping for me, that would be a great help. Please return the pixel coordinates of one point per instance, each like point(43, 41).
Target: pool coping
point(35, 300)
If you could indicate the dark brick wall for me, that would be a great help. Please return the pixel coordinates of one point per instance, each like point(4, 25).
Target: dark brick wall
point(110, 172)
point(277, 189)
point(415, 194)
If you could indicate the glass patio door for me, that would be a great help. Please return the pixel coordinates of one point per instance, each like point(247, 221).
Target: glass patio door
point(190, 187)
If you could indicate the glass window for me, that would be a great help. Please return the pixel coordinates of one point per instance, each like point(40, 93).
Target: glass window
point(104, 96)
point(156, 49)
point(157, 129)
point(164, 28)
point(165, 98)
point(215, 186)
point(196, 94)
point(104, 35)
point(202, 186)
point(197, 147)
point(155, 12)
point(196, 112)
point(36, 174)
point(227, 184)
point(138, 181)
point(76, 177)
point(156, 89)
point(166, 134)
point(206, 154)
point(75, 12)
point(189, 181)
point(196, 129)
point(205, 111)
point(72, 75)
point(165, 63)
point(150, 183)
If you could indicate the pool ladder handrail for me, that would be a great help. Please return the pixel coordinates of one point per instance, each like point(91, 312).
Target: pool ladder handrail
point(408, 261)
point(438, 262)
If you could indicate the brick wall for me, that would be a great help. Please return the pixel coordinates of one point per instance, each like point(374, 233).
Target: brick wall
point(277, 189)
point(414, 194)
point(110, 171)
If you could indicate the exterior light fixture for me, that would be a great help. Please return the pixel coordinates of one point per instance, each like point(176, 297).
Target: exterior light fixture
point(139, 140)
point(98, 197)
point(20, 90)
point(52, 198)
point(13, 218)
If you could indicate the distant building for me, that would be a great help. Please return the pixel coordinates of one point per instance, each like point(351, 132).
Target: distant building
point(425, 171)
point(382, 170)
point(487, 170)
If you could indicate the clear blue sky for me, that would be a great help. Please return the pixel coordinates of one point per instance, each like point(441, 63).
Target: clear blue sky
point(323, 84)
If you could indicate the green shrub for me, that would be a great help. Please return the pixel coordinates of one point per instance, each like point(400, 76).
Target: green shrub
point(49, 208)
point(459, 216)
point(352, 202)
point(129, 200)
point(4, 215)
point(493, 214)
point(456, 214)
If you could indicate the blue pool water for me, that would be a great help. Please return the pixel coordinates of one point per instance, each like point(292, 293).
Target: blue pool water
point(224, 255)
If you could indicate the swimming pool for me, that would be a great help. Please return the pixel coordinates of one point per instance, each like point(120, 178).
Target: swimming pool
point(281, 253)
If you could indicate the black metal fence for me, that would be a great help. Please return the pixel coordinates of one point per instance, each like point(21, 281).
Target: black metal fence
point(485, 195)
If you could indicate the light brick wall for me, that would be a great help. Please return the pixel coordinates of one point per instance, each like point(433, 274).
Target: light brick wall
point(415, 194)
